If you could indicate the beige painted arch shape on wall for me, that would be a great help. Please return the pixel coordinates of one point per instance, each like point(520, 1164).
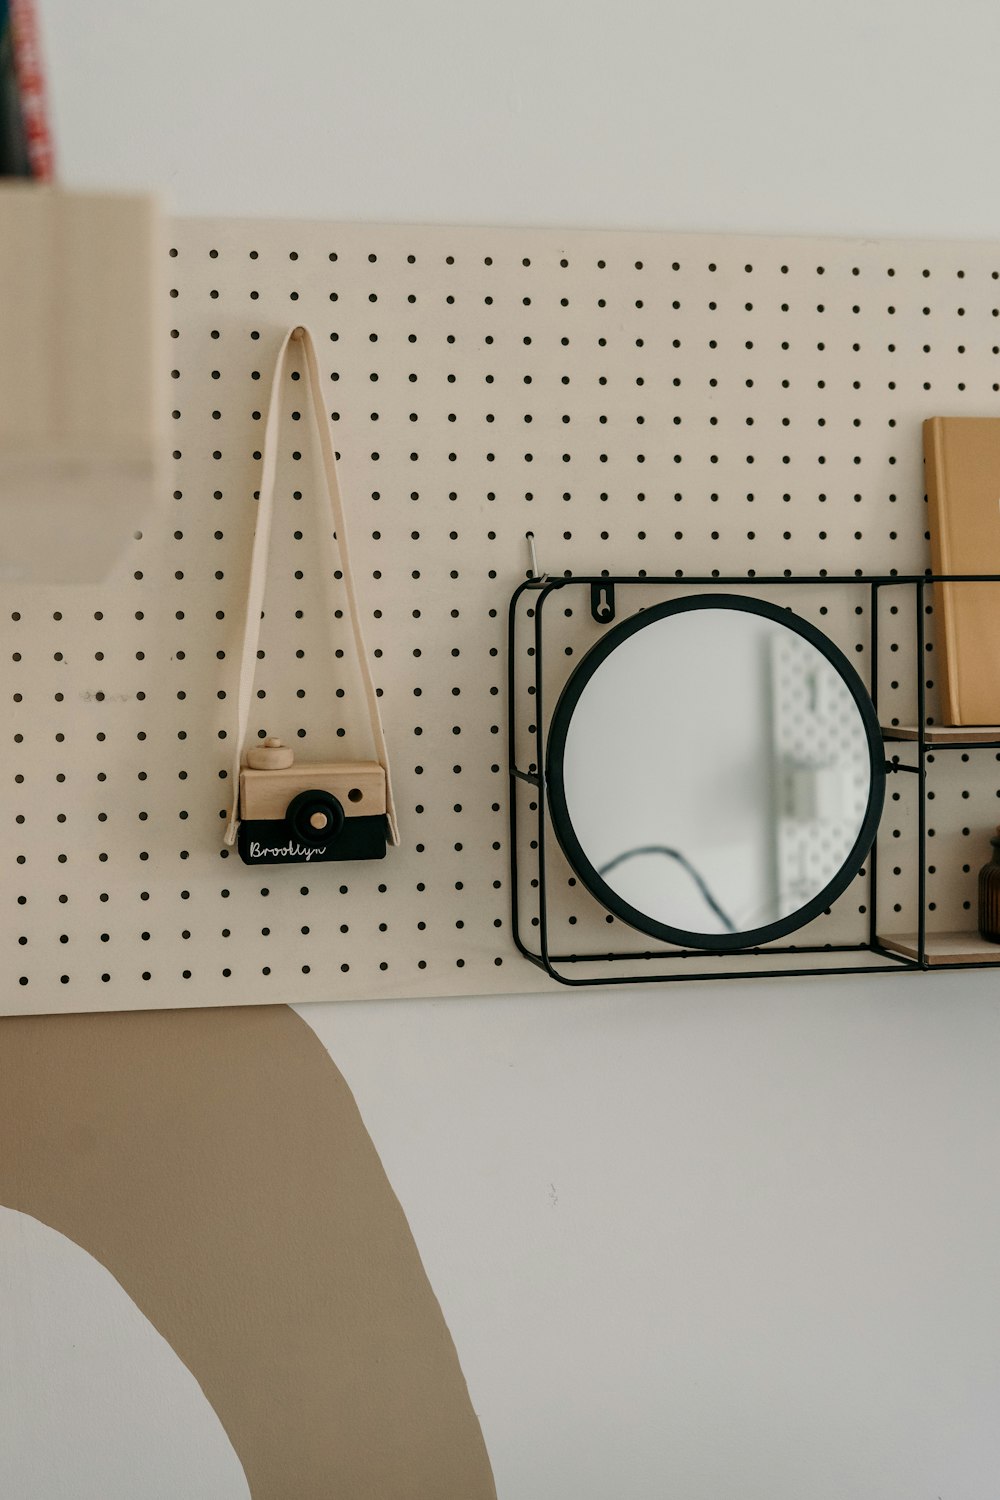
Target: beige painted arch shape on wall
point(216, 1163)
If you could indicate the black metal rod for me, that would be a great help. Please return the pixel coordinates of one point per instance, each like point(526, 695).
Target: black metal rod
point(856, 580)
point(512, 721)
point(511, 760)
point(873, 644)
point(944, 745)
point(922, 797)
point(900, 958)
point(592, 982)
point(669, 956)
point(543, 913)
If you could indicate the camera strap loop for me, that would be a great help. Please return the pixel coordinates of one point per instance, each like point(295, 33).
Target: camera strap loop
point(258, 568)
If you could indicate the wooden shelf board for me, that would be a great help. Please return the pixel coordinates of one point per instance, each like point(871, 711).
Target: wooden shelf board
point(944, 947)
point(946, 734)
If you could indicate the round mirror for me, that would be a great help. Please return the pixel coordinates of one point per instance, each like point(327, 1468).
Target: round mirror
point(715, 771)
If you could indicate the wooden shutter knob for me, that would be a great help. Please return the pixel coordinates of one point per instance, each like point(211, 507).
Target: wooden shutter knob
point(272, 755)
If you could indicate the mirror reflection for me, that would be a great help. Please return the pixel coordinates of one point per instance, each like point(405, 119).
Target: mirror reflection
point(716, 773)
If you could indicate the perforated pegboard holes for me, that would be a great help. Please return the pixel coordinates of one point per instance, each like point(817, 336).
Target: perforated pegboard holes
point(688, 404)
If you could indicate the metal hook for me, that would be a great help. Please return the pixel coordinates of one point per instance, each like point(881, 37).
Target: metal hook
point(602, 602)
point(530, 539)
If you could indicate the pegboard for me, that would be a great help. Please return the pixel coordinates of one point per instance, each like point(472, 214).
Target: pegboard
point(670, 403)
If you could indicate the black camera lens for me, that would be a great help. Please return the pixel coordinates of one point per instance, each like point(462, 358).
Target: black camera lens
point(315, 817)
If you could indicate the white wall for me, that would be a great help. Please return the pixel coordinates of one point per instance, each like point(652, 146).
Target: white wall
point(104, 1407)
point(870, 117)
point(722, 1239)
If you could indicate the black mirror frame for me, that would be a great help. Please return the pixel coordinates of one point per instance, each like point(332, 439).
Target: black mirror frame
point(563, 824)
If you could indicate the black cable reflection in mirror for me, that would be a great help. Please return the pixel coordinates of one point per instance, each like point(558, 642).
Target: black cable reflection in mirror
point(685, 864)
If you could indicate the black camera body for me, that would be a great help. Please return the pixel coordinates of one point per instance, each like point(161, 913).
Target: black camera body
point(309, 813)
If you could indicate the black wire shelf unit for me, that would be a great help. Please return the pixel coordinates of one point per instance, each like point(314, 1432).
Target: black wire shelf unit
point(911, 741)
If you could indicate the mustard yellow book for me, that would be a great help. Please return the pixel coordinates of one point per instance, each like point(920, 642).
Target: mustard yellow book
point(962, 458)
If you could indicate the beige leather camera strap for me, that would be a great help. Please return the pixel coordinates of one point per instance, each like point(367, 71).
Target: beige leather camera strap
point(258, 568)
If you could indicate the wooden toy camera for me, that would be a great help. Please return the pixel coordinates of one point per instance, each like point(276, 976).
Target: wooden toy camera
point(309, 813)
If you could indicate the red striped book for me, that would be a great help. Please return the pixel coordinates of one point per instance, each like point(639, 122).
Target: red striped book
point(31, 84)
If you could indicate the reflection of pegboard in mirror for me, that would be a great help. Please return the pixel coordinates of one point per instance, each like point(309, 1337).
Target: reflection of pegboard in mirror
point(821, 758)
point(640, 401)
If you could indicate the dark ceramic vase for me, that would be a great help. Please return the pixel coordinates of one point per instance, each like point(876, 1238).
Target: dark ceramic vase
point(989, 895)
